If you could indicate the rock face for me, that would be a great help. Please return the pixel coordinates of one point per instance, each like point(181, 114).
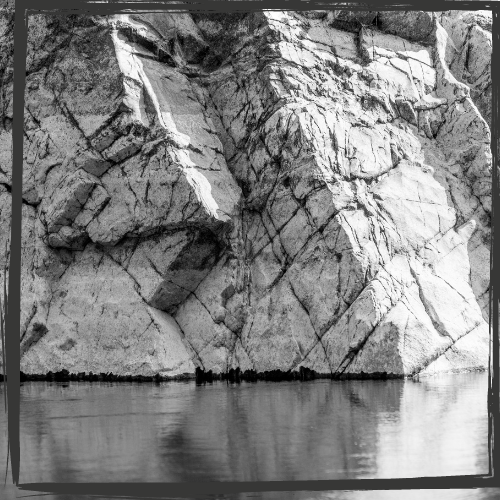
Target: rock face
point(265, 191)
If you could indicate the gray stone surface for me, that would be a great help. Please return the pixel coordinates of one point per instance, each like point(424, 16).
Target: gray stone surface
point(265, 191)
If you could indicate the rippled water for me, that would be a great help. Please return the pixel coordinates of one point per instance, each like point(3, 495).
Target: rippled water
point(115, 432)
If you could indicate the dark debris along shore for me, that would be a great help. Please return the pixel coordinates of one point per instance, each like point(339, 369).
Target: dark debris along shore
point(201, 376)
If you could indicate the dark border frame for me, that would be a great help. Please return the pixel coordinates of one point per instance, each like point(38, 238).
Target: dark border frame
point(23, 9)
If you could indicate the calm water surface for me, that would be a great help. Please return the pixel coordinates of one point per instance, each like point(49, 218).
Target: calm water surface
point(109, 432)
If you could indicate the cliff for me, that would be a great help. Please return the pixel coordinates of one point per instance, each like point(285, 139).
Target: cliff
point(265, 191)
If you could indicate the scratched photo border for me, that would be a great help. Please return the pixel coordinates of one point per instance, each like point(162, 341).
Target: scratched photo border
point(24, 8)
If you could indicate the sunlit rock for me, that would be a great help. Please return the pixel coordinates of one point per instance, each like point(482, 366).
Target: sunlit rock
point(264, 191)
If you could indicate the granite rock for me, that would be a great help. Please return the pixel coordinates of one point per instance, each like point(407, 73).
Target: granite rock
point(263, 191)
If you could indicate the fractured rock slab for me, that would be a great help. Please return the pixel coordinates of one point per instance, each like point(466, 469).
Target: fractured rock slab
point(256, 191)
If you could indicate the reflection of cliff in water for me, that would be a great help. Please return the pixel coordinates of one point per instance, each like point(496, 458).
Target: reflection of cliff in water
point(268, 432)
point(323, 429)
point(252, 432)
point(96, 432)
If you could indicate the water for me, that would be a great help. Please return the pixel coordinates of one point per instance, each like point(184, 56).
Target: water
point(178, 431)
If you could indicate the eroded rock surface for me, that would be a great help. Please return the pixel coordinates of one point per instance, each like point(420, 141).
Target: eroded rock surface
point(264, 191)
